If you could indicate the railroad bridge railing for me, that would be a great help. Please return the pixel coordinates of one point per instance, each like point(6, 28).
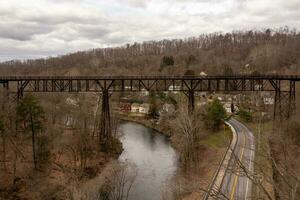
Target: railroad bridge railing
point(284, 87)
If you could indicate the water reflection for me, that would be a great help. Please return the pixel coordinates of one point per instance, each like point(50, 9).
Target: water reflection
point(153, 156)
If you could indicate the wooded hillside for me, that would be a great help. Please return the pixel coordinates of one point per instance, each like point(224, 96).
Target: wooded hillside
point(267, 51)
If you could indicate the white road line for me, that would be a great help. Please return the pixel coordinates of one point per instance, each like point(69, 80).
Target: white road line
point(250, 165)
point(251, 157)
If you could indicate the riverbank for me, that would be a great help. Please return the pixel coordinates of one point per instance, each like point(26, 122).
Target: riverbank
point(189, 182)
point(149, 123)
point(74, 160)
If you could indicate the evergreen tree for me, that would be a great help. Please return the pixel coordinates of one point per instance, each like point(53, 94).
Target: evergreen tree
point(214, 114)
point(30, 116)
point(167, 61)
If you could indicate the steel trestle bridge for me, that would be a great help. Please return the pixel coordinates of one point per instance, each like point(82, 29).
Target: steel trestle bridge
point(283, 86)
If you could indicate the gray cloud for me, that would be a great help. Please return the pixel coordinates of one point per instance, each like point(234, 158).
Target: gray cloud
point(22, 31)
point(32, 29)
point(134, 3)
point(92, 31)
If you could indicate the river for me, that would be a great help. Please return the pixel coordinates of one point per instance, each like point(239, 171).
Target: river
point(154, 159)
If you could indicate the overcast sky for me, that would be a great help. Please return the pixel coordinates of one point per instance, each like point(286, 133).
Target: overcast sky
point(41, 28)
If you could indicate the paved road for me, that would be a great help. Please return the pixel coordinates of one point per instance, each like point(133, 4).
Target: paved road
point(235, 185)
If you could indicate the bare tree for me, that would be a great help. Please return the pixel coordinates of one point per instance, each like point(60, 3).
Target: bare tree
point(119, 184)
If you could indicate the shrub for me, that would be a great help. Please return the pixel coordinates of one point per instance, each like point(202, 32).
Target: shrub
point(245, 115)
point(189, 72)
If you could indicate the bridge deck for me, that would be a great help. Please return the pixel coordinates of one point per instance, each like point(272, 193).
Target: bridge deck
point(92, 77)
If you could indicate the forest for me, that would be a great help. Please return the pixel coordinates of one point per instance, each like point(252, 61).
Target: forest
point(267, 51)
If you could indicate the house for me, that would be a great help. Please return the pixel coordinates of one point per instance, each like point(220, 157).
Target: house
point(144, 92)
point(228, 107)
point(268, 100)
point(174, 88)
point(201, 94)
point(135, 107)
point(203, 74)
point(200, 104)
point(125, 106)
point(145, 108)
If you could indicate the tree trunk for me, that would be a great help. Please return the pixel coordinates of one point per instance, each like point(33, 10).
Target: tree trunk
point(4, 148)
point(33, 142)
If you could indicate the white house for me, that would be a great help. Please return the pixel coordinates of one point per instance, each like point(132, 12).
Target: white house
point(145, 108)
point(135, 107)
point(144, 92)
point(199, 104)
point(227, 107)
point(174, 88)
point(203, 74)
point(201, 94)
point(268, 100)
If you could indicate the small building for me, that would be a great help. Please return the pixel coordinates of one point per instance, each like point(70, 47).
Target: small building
point(200, 104)
point(174, 88)
point(268, 100)
point(144, 92)
point(145, 108)
point(201, 94)
point(228, 107)
point(203, 74)
point(125, 106)
point(135, 107)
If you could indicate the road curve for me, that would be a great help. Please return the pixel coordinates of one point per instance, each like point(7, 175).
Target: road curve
point(235, 184)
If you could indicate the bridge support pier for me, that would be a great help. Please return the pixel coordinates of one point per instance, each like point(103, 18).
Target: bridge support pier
point(191, 101)
point(19, 95)
point(105, 124)
point(292, 98)
point(285, 103)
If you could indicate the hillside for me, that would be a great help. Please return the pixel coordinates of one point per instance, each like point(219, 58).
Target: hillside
point(268, 51)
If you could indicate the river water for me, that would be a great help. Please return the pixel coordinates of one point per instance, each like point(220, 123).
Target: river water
point(154, 159)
